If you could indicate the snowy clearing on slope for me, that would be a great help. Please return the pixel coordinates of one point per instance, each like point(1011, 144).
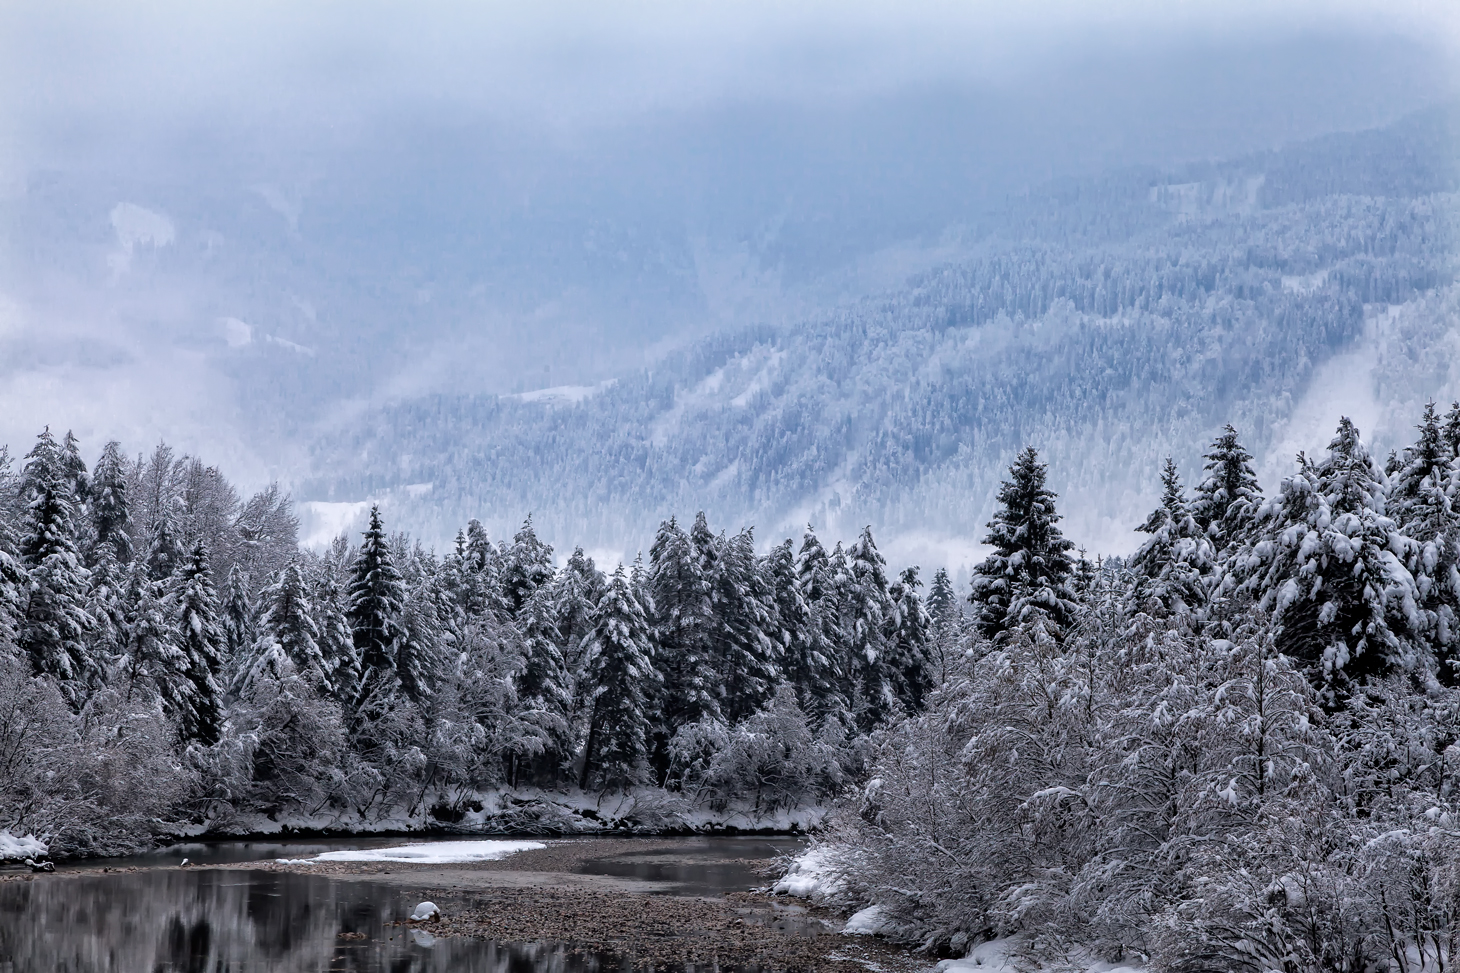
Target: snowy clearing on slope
point(435, 853)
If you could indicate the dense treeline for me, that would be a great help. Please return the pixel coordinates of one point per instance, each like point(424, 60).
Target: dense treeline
point(1234, 751)
point(172, 660)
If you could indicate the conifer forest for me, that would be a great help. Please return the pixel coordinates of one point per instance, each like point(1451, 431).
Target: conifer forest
point(1234, 746)
point(730, 487)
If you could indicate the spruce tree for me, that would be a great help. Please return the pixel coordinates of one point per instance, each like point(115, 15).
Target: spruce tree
point(1452, 430)
point(237, 617)
point(909, 643)
point(110, 517)
point(1325, 568)
point(745, 656)
point(529, 565)
point(683, 621)
point(622, 675)
point(1228, 497)
point(869, 616)
point(336, 640)
point(1175, 563)
point(197, 697)
point(1027, 576)
point(165, 551)
point(544, 686)
point(576, 592)
point(820, 588)
point(1429, 458)
point(54, 630)
point(287, 625)
point(425, 635)
point(376, 600)
point(811, 674)
point(152, 652)
point(1421, 502)
point(947, 625)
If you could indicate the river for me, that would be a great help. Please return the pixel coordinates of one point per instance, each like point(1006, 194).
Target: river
point(219, 916)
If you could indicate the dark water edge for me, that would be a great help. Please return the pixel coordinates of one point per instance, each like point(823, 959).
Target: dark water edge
point(236, 921)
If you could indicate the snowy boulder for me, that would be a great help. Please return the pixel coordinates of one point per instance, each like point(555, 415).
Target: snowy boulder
point(40, 866)
point(425, 912)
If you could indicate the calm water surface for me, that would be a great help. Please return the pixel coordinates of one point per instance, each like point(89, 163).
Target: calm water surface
point(202, 920)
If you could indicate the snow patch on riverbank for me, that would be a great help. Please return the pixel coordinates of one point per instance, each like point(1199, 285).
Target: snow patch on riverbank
point(809, 877)
point(13, 848)
point(435, 853)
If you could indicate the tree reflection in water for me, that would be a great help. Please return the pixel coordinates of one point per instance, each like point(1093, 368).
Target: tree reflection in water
point(234, 921)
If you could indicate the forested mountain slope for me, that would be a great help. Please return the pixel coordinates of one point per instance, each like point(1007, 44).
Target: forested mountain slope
point(1108, 322)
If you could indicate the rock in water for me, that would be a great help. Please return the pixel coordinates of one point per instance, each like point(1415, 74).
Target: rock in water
point(425, 912)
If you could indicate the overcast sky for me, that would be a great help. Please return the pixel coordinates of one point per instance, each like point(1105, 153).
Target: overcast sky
point(406, 197)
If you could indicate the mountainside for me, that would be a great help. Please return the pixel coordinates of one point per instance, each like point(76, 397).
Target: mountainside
point(1109, 323)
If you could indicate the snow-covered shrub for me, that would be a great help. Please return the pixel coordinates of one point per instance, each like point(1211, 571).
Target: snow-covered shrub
point(95, 783)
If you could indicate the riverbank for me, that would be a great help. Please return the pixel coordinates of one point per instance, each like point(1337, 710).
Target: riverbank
point(651, 912)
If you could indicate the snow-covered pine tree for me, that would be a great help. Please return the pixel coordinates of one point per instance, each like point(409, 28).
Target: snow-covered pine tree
point(110, 518)
point(237, 616)
point(806, 667)
point(947, 632)
point(73, 470)
point(577, 590)
point(1421, 503)
point(336, 640)
point(909, 643)
point(1325, 567)
point(423, 649)
point(54, 630)
point(868, 615)
point(196, 699)
point(152, 652)
point(13, 580)
point(287, 624)
point(1028, 573)
point(683, 626)
point(820, 580)
point(1228, 496)
point(622, 674)
point(529, 565)
point(1452, 430)
point(376, 600)
point(745, 655)
point(1175, 563)
point(544, 686)
point(165, 550)
point(1428, 457)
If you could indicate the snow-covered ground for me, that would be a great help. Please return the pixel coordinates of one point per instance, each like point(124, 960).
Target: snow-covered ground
point(13, 848)
point(810, 877)
point(435, 853)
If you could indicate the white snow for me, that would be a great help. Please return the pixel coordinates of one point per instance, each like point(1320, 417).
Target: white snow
point(295, 861)
point(19, 848)
point(807, 877)
point(434, 853)
point(561, 394)
point(425, 911)
point(871, 921)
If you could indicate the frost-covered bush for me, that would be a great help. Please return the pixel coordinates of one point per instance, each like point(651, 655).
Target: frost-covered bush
point(100, 782)
point(771, 761)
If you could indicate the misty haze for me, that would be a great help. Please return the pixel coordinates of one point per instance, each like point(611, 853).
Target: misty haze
point(986, 477)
